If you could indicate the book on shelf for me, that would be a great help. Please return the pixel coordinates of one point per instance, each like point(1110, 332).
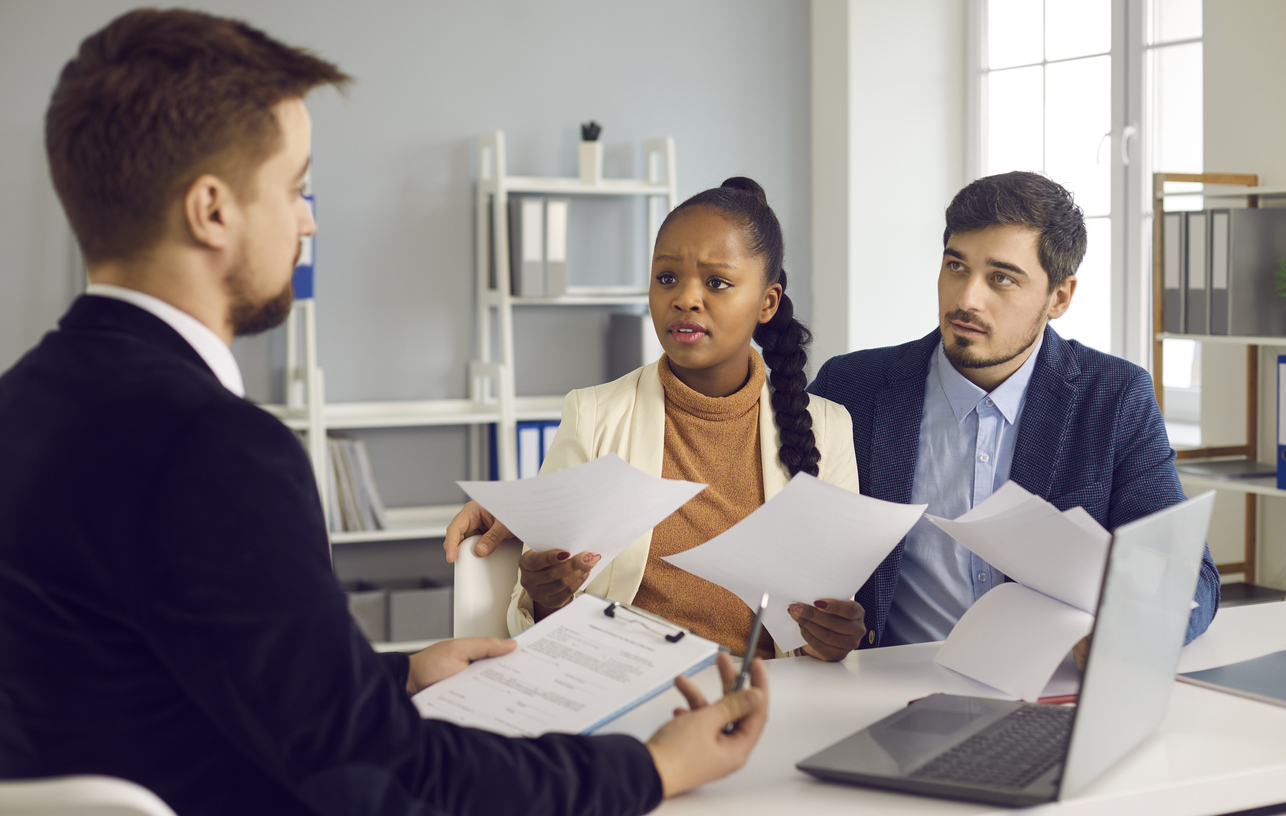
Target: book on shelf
point(1197, 311)
point(527, 246)
point(1172, 284)
point(556, 246)
point(355, 503)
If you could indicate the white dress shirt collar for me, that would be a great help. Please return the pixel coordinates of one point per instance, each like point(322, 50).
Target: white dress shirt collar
point(198, 335)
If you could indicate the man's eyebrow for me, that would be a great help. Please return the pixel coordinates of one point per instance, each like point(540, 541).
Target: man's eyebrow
point(992, 262)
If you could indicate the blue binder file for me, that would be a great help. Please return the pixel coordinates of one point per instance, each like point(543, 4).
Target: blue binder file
point(1281, 425)
point(302, 280)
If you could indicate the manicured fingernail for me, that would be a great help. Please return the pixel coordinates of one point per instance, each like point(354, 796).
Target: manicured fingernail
point(793, 610)
point(819, 604)
point(587, 558)
point(563, 556)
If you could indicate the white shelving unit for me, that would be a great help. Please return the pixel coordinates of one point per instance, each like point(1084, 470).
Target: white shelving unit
point(492, 376)
point(1218, 185)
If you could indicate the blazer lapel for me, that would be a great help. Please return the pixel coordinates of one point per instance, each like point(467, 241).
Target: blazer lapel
point(1047, 416)
point(895, 432)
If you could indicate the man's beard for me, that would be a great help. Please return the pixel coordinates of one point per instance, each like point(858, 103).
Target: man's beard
point(958, 351)
point(248, 317)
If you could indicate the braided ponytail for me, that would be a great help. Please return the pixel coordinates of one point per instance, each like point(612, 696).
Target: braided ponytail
point(783, 339)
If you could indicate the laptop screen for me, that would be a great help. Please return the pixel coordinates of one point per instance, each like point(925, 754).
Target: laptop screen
point(1143, 613)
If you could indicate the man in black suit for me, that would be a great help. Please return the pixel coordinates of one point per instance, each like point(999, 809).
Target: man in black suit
point(167, 609)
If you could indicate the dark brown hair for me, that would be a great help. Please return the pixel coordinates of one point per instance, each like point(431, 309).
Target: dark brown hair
point(153, 101)
point(1030, 200)
point(784, 339)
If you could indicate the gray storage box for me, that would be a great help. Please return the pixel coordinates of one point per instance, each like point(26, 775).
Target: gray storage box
point(368, 605)
point(418, 609)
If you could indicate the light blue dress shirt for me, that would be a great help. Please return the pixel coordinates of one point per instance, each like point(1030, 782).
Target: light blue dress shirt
point(966, 448)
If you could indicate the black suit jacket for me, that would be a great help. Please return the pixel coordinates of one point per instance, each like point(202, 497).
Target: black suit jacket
point(168, 612)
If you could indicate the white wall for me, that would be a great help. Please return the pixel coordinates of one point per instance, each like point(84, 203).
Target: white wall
point(393, 171)
point(1245, 132)
point(900, 109)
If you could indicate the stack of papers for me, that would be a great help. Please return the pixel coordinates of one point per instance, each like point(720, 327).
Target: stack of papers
point(812, 540)
point(1014, 637)
point(600, 507)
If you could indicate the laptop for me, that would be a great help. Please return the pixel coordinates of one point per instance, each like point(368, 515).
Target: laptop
point(1013, 753)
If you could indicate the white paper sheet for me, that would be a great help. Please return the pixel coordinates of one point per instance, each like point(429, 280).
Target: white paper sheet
point(571, 672)
point(600, 507)
point(1013, 639)
point(1062, 555)
point(812, 540)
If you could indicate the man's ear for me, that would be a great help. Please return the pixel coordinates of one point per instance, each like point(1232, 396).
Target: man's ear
point(209, 212)
point(1061, 298)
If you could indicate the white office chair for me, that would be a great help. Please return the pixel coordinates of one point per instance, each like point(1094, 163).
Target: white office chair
point(483, 587)
point(79, 796)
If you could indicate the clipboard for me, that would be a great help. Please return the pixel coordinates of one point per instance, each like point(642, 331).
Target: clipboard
point(573, 672)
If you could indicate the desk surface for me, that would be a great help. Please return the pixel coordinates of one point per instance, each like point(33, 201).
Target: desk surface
point(1213, 754)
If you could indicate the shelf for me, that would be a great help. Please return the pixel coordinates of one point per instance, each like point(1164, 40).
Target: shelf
point(392, 414)
point(573, 186)
point(1265, 486)
point(405, 523)
point(1225, 339)
point(407, 646)
point(533, 408)
point(1226, 191)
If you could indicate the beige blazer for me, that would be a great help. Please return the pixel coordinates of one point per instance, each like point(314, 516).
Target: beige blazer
point(627, 417)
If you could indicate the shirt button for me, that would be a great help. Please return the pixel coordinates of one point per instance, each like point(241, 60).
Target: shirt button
point(982, 576)
point(985, 458)
point(990, 403)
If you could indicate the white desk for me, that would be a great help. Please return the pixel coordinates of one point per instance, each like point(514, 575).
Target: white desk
point(1213, 754)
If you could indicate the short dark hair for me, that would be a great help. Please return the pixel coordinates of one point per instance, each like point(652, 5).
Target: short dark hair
point(154, 100)
point(1030, 200)
point(784, 339)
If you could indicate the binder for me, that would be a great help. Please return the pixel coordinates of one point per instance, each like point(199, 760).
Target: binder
point(555, 247)
point(1173, 303)
point(529, 458)
point(302, 278)
point(527, 246)
point(1281, 425)
point(1256, 244)
point(547, 434)
point(1220, 313)
point(1197, 264)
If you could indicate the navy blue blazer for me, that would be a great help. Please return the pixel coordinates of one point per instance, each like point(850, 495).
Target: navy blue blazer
point(1091, 435)
point(168, 613)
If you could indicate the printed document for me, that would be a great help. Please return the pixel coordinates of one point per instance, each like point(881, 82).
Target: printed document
point(572, 672)
point(600, 507)
point(812, 540)
point(1014, 637)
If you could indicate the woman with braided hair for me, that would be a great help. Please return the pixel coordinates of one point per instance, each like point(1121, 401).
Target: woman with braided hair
point(708, 411)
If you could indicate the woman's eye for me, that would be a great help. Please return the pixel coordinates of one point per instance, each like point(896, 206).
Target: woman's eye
point(665, 278)
point(718, 283)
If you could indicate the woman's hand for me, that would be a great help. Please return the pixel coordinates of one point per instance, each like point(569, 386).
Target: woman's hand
point(472, 520)
point(832, 628)
point(551, 578)
point(445, 658)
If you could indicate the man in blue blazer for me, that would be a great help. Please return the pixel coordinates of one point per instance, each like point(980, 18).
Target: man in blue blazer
point(993, 394)
point(168, 612)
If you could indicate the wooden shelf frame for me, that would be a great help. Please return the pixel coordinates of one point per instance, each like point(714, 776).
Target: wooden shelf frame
point(1249, 450)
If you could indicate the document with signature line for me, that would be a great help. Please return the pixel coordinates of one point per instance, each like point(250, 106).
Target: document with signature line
point(576, 670)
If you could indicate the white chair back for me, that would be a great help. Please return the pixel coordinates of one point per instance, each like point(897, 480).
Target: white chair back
point(483, 587)
point(79, 796)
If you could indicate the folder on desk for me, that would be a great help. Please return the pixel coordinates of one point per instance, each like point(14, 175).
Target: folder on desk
point(1262, 679)
point(1173, 289)
point(1197, 277)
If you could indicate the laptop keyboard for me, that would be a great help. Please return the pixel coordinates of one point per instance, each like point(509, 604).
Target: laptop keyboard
point(1011, 753)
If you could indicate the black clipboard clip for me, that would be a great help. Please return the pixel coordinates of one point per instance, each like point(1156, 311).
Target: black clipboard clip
point(673, 637)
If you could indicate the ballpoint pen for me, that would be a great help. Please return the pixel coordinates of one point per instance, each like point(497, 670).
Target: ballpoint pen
point(743, 677)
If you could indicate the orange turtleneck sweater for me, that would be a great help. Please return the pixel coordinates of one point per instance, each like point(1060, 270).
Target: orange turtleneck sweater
point(713, 440)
